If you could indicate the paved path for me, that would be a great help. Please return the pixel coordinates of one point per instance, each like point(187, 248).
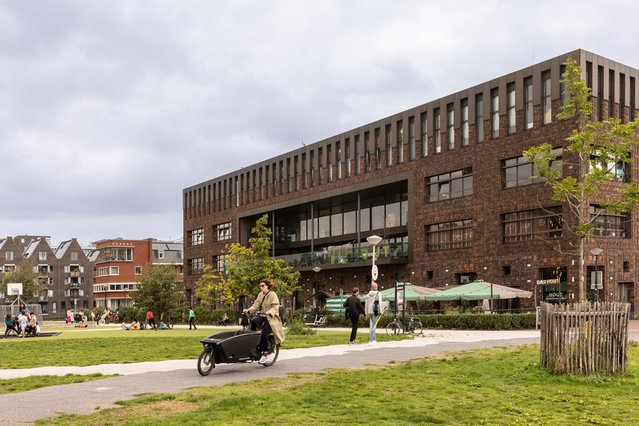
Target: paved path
point(173, 376)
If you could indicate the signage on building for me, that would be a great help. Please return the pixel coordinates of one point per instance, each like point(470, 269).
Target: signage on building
point(549, 281)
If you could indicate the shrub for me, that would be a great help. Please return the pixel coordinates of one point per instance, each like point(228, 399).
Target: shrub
point(297, 327)
point(457, 321)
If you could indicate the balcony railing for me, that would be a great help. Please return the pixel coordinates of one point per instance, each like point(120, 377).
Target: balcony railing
point(336, 256)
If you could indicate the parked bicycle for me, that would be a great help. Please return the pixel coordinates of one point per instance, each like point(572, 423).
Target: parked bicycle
point(412, 326)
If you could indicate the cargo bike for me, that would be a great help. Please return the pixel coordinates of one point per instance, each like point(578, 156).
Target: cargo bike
point(234, 347)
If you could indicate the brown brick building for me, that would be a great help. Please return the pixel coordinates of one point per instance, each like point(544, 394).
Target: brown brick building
point(119, 264)
point(66, 272)
point(444, 184)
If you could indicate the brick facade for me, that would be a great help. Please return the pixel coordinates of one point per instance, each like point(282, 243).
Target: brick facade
point(276, 186)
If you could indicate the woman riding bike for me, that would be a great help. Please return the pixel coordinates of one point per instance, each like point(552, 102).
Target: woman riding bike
point(268, 303)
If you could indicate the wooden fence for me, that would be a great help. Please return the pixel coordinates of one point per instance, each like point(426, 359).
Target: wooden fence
point(584, 338)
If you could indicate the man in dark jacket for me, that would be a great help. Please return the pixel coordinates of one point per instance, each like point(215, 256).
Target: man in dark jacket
point(354, 309)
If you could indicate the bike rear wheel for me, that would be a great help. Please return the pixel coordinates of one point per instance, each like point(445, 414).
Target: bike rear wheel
point(415, 328)
point(206, 362)
point(393, 329)
point(273, 352)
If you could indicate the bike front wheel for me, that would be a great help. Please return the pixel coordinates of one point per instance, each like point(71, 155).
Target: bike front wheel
point(416, 328)
point(273, 353)
point(206, 362)
point(393, 329)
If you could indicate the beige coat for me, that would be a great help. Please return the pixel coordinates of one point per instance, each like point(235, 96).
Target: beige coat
point(270, 305)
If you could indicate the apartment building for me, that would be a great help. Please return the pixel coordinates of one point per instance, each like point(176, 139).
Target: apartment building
point(446, 187)
point(120, 263)
point(66, 272)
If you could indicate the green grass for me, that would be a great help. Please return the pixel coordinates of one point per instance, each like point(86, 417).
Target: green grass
point(91, 347)
point(487, 387)
point(24, 384)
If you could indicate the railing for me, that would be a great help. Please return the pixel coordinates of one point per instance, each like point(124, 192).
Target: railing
point(345, 255)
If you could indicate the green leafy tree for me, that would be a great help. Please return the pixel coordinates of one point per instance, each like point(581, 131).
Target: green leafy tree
point(595, 149)
point(247, 265)
point(23, 273)
point(212, 288)
point(158, 289)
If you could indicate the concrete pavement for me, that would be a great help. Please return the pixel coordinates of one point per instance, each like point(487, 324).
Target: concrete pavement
point(176, 375)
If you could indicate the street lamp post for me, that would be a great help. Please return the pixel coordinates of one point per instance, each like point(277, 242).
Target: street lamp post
point(595, 282)
point(374, 240)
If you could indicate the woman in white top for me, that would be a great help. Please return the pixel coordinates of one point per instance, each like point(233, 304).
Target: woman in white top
point(373, 311)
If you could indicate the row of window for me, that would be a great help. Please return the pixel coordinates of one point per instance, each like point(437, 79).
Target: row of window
point(221, 232)
point(261, 183)
point(42, 255)
point(528, 225)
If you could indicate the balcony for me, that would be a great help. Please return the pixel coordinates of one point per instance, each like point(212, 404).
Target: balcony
point(342, 257)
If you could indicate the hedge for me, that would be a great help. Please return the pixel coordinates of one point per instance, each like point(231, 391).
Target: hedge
point(453, 322)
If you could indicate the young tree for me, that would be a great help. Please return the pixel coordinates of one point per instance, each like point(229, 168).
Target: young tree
point(158, 289)
point(23, 273)
point(247, 265)
point(212, 288)
point(595, 150)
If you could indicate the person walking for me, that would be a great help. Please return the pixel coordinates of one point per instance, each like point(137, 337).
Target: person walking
point(354, 309)
point(192, 318)
point(171, 317)
point(151, 320)
point(373, 309)
point(268, 304)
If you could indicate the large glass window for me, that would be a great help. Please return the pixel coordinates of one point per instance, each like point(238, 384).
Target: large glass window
point(494, 111)
point(545, 97)
point(512, 113)
point(424, 119)
point(479, 117)
point(400, 141)
point(617, 170)
point(389, 145)
point(324, 225)
point(393, 215)
point(411, 138)
point(111, 254)
point(528, 102)
point(365, 219)
point(350, 225)
point(195, 266)
point(358, 161)
point(530, 224)
point(450, 126)
point(222, 231)
point(464, 122)
point(438, 135)
point(519, 171)
point(450, 185)
point(449, 235)
point(377, 217)
point(196, 236)
point(608, 224)
point(336, 221)
point(219, 263)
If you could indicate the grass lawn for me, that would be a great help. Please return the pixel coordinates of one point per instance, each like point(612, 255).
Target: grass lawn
point(490, 387)
point(81, 347)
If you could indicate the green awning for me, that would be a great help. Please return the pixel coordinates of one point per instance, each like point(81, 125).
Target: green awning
point(479, 290)
point(336, 304)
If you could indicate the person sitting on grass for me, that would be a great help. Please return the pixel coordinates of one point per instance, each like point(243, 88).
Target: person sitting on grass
point(135, 325)
point(10, 323)
point(163, 326)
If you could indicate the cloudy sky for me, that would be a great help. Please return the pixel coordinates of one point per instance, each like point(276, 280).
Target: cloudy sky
point(108, 109)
